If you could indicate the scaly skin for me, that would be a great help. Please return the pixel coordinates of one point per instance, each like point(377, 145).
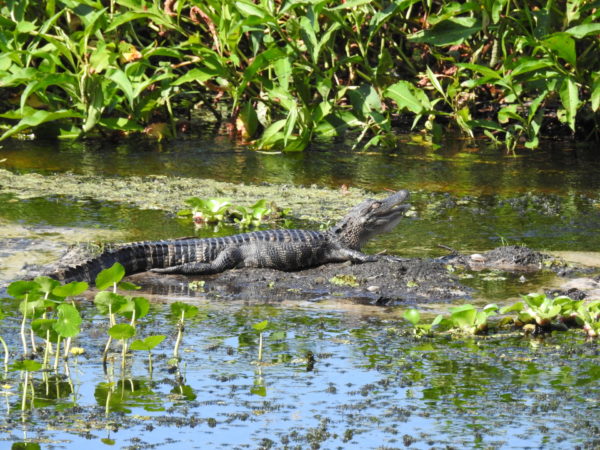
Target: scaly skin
point(275, 249)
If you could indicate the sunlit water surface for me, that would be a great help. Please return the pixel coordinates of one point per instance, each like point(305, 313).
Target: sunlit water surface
point(373, 384)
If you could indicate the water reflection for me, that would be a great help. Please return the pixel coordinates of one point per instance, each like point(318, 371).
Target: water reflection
point(458, 167)
point(371, 381)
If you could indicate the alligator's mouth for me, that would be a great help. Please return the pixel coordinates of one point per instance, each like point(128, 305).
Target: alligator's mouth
point(388, 213)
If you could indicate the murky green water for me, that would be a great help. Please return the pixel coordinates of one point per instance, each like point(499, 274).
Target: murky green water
point(459, 168)
point(373, 384)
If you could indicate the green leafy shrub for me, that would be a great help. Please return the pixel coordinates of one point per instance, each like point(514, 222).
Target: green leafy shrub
point(280, 74)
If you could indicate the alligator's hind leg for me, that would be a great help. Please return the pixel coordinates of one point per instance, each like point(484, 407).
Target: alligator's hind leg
point(227, 259)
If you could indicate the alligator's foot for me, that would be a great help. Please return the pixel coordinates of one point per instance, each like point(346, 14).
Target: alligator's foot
point(391, 258)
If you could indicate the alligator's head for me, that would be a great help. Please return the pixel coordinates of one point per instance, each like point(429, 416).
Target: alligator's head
point(369, 218)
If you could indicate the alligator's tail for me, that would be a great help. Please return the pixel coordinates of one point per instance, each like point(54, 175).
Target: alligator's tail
point(136, 257)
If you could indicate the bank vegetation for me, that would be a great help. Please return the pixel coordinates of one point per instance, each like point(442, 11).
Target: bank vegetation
point(278, 74)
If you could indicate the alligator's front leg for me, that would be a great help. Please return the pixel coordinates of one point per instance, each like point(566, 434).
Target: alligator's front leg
point(342, 254)
point(227, 259)
point(346, 254)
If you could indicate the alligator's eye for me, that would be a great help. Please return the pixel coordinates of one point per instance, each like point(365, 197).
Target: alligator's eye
point(375, 205)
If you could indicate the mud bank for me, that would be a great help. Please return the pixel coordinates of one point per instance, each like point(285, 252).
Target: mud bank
point(388, 282)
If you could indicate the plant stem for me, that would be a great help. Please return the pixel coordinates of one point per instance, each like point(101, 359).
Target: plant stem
point(25, 383)
point(6, 354)
point(179, 337)
point(23, 338)
point(105, 352)
point(33, 346)
point(123, 353)
point(57, 354)
point(47, 350)
point(67, 349)
point(260, 346)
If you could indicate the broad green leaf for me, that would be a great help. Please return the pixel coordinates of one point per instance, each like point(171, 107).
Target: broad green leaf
point(123, 18)
point(580, 31)
point(308, 33)
point(272, 135)
point(261, 62)
point(103, 56)
point(120, 123)
point(595, 98)
point(261, 326)
point(435, 82)
point(46, 284)
point(463, 316)
point(108, 277)
point(96, 103)
point(126, 286)
point(569, 96)
point(259, 390)
point(44, 328)
point(290, 125)
point(19, 289)
point(534, 300)
point(25, 27)
point(488, 124)
point(28, 365)
point(121, 79)
point(68, 321)
point(283, 70)
point(33, 118)
point(350, 4)
point(449, 32)
point(507, 113)
point(249, 118)
point(147, 343)
point(364, 99)
point(121, 331)
point(563, 45)
point(491, 308)
point(412, 315)
point(380, 17)
point(483, 70)
point(497, 7)
point(320, 111)
point(408, 96)
point(199, 75)
point(549, 313)
point(188, 311)
point(71, 289)
point(140, 305)
point(525, 65)
point(106, 299)
point(34, 306)
point(60, 80)
point(250, 9)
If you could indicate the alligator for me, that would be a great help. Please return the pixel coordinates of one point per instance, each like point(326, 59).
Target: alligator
point(282, 249)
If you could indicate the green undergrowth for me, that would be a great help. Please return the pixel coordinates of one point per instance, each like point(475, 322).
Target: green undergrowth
point(215, 211)
point(278, 75)
point(535, 314)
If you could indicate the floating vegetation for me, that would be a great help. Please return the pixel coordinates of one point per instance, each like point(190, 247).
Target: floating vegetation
point(536, 313)
point(214, 211)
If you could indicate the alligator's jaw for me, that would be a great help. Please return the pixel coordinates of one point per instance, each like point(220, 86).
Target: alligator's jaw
point(370, 218)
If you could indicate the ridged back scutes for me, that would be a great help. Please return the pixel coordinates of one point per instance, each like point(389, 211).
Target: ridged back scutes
point(145, 255)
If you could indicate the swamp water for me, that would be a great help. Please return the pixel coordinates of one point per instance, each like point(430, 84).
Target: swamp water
point(334, 375)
